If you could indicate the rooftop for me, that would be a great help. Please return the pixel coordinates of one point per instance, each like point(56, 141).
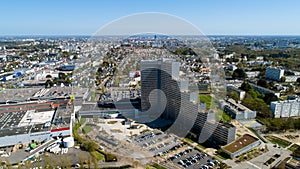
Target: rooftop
point(286, 101)
point(237, 106)
point(17, 94)
point(240, 143)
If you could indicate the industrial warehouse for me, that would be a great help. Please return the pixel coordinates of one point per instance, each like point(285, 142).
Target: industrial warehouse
point(37, 119)
point(33, 121)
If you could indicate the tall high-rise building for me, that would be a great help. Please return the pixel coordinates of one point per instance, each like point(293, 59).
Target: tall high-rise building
point(161, 84)
point(158, 78)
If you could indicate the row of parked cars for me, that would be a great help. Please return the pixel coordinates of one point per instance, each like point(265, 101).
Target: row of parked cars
point(161, 145)
point(180, 154)
point(169, 150)
point(195, 158)
point(144, 137)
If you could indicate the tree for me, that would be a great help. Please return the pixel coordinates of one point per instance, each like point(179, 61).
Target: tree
point(298, 80)
point(239, 74)
point(68, 81)
point(65, 54)
point(263, 83)
point(282, 79)
point(49, 83)
point(62, 76)
point(245, 86)
point(233, 95)
point(269, 97)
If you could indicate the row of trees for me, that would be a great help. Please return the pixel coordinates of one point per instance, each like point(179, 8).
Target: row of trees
point(281, 124)
point(62, 78)
point(257, 101)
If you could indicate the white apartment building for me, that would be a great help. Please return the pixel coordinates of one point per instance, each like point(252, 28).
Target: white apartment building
point(287, 108)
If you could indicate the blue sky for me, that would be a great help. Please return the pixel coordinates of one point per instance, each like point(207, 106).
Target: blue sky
point(212, 17)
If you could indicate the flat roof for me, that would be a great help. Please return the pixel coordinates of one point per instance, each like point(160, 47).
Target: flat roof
point(240, 143)
point(17, 94)
point(32, 117)
point(239, 108)
point(10, 119)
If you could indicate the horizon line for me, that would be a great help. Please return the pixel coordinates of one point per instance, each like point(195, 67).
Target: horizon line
point(18, 35)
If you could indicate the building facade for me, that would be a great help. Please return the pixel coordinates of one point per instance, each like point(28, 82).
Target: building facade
point(274, 73)
point(236, 110)
point(220, 133)
point(263, 90)
point(288, 108)
point(157, 76)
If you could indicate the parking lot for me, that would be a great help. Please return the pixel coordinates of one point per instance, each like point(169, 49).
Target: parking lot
point(173, 152)
point(191, 158)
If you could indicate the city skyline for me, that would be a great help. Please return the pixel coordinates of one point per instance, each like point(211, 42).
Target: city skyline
point(212, 18)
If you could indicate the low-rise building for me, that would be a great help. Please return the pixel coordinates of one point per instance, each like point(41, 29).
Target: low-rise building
point(236, 110)
point(241, 145)
point(291, 78)
point(263, 90)
point(20, 123)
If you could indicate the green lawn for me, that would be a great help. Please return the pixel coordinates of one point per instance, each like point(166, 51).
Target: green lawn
point(221, 115)
point(98, 155)
point(260, 137)
point(157, 166)
point(82, 120)
point(86, 129)
point(206, 98)
point(188, 140)
point(294, 147)
point(278, 141)
point(201, 146)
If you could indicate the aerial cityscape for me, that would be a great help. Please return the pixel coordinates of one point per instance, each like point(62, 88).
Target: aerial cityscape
point(149, 88)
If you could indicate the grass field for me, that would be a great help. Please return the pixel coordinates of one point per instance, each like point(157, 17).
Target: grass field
point(157, 166)
point(223, 116)
point(86, 129)
point(206, 98)
point(82, 120)
point(98, 155)
point(294, 147)
point(278, 141)
point(259, 136)
point(188, 140)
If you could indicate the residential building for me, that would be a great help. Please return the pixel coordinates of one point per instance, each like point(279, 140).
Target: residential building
point(157, 76)
point(287, 108)
point(164, 75)
point(291, 78)
point(223, 134)
point(274, 73)
point(236, 110)
point(241, 94)
point(220, 133)
point(263, 90)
